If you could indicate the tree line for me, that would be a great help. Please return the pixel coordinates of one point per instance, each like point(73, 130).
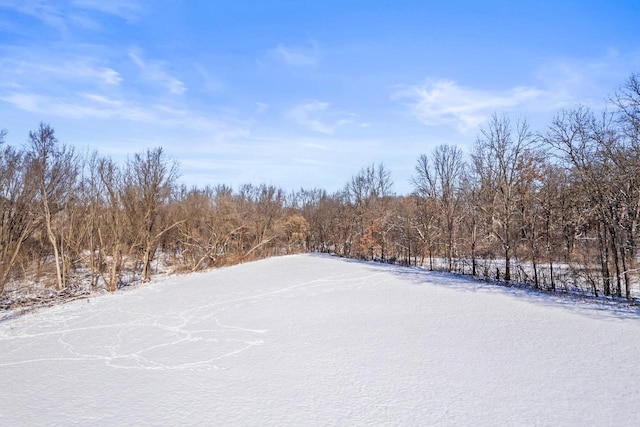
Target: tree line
point(556, 210)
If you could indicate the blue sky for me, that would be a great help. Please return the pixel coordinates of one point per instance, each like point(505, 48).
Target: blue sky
point(301, 94)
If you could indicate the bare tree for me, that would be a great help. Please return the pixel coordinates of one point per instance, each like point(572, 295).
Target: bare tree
point(211, 229)
point(111, 222)
point(627, 102)
point(472, 221)
point(262, 206)
point(626, 156)
point(313, 205)
point(439, 179)
point(17, 217)
point(294, 232)
point(54, 171)
point(532, 212)
point(149, 179)
point(585, 143)
point(404, 232)
point(498, 159)
point(93, 204)
point(368, 193)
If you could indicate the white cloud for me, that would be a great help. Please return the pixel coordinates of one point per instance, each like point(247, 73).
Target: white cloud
point(86, 105)
point(43, 10)
point(556, 83)
point(261, 107)
point(438, 102)
point(68, 69)
point(154, 72)
point(297, 56)
point(209, 82)
point(110, 76)
point(316, 116)
point(83, 88)
point(588, 81)
point(82, 20)
point(82, 106)
point(125, 9)
point(63, 16)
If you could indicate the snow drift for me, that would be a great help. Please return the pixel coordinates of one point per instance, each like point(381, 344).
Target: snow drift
point(313, 340)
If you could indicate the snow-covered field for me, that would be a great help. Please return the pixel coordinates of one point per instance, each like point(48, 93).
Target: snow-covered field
point(315, 340)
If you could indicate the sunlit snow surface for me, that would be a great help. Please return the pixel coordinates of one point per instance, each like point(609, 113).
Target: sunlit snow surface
point(315, 340)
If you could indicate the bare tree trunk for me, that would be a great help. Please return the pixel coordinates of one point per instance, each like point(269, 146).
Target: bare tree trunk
point(604, 261)
point(53, 241)
point(625, 274)
point(147, 258)
point(616, 261)
point(507, 264)
point(55, 171)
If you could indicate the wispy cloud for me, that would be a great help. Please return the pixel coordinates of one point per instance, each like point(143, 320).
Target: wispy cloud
point(557, 83)
point(589, 80)
point(124, 9)
point(297, 56)
point(317, 116)
point(438, 102)
point(63, 16)
point(48, 13)
point(79, 87)
point(83, 106)
point(261, 107)
point(61, 68)
point(209, 82)
point(154, 72)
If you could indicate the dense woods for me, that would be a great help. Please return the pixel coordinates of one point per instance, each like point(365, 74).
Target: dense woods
point(557, 209)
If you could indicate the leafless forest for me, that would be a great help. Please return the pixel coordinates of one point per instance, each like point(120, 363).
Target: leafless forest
point(556, 209)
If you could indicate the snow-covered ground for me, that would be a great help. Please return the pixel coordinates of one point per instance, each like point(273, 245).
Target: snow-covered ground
point(316, 340)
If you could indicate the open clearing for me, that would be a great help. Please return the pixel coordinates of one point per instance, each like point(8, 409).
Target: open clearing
point(316, 340)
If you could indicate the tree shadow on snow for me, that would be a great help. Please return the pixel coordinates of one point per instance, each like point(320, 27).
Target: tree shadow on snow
point(579, 303)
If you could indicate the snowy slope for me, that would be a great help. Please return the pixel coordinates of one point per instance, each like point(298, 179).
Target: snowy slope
point(315, 340)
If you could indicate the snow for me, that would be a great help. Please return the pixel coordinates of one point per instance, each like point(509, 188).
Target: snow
point(317, 340)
